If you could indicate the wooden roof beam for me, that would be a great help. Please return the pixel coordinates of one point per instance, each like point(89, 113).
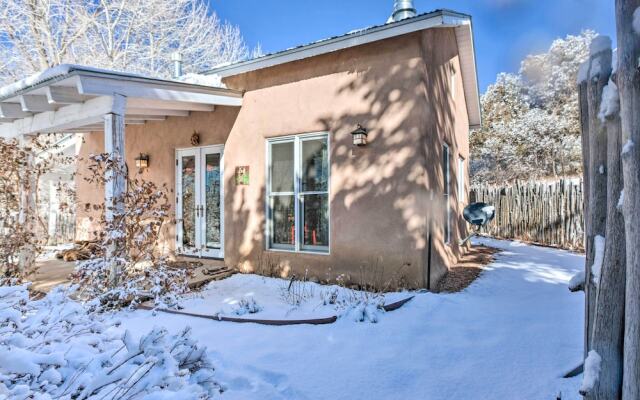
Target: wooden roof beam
point(35, 103)
point(63, 95)
point(136, 102)
point(12, 110)
point(156, 112)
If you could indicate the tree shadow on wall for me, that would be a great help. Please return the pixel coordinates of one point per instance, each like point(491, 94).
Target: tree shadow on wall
point(393, 187)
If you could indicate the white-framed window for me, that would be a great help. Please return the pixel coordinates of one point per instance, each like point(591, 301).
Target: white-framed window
point(446, 179)
point(298, 193)
point(461, 181)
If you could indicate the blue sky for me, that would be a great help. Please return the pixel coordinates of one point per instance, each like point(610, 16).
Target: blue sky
point(505, 30)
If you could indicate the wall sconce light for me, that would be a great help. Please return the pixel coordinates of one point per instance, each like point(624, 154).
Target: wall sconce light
point(142, 161)
point(360, 136)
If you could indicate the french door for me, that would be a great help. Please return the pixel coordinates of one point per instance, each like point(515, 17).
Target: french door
point(199, 202)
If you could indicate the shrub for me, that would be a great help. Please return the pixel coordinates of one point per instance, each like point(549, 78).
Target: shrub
point(55, 348)
point(135, 271)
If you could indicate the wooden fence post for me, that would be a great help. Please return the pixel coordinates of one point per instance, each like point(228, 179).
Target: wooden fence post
point(547, 213)
point(608, 329)
point(628, 79)
point(597, 78)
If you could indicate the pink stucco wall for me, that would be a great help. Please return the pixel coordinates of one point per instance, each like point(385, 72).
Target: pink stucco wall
point(385, 198)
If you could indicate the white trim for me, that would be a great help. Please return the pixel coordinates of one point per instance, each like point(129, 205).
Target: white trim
point(470, 87)
point(438, 19)
point(446, 181)
point(381, 32)
point(91, 86)
point(298, 195)
point(199, 153)
point(89, 112)
point(180, 153)
point(204, 151)
point(462, 194)
point(74, 98)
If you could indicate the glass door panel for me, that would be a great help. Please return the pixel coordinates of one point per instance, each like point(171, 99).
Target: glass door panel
point(187, 218)
point(199, 208)
point(212, 203)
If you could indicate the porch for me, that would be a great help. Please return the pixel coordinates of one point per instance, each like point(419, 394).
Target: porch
point(78, 99)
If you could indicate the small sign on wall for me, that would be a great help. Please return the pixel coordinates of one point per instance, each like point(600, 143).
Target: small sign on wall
point(242, 175)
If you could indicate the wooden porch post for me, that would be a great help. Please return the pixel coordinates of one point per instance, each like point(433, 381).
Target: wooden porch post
point(115, 186)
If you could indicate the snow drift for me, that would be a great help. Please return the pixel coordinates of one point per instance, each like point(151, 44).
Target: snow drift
point(54, 348)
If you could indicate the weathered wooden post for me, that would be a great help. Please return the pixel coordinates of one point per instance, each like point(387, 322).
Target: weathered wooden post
point(608, 330)
point(597, 76)
point(628, 79)
point(115, 186)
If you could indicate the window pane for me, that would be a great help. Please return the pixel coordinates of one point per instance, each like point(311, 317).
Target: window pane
point(315, 165)
point(283, 225)
point(282, 167)
point(212, 200)
point(188, 201)
point(446, 183)
point(315, 220)
point(461, 191)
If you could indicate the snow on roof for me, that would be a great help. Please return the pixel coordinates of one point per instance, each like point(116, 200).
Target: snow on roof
point(212, 80)
point(63, 71)
point(37, 78)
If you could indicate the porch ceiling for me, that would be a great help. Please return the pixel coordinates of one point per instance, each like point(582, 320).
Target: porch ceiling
point(72, 98)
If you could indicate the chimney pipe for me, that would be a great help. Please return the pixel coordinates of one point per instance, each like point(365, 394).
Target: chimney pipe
point(177, 64)
point(403, 9)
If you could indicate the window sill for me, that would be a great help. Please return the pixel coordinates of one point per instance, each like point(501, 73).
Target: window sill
point(306, 252)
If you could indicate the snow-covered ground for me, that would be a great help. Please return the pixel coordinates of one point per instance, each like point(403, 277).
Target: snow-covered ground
point(511, 335)
point(258, 297)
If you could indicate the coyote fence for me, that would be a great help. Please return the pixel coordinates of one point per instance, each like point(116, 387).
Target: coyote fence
point(546, 213)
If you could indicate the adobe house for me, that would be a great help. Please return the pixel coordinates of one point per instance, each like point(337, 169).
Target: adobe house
point(345, 155)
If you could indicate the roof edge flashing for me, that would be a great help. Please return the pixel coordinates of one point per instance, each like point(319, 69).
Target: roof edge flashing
point(444, 18)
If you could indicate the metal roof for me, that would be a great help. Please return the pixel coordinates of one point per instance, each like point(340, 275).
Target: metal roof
point(435, 19)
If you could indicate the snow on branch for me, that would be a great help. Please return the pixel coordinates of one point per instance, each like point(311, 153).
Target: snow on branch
point(576, 283)
point(54, 348)
point(132, 36)
point(591, 372)
point(598, 259)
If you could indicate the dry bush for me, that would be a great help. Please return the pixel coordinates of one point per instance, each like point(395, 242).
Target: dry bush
point(53, 348)
point(269, 265)
point(297, 291)
point(131, 269)
point(22, 230)
point(372, 278)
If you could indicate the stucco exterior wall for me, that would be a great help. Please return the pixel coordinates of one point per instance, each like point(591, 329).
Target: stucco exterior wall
point(447, 122)
point(385, 198)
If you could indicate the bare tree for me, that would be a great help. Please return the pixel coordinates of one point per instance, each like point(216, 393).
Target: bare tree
point(131, 35)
